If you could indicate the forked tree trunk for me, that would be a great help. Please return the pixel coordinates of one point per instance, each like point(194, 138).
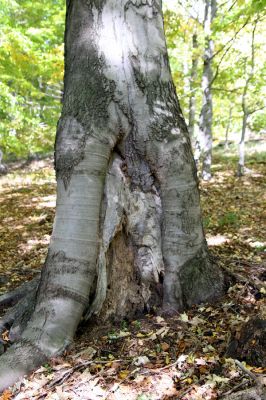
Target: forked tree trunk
point(127, 212)
point(203, 147)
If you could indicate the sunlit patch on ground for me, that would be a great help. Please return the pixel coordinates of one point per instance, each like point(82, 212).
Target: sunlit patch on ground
point(217, 240)
point(233, 210)
point(47, 201)
point(27, 204)
point(33, 244)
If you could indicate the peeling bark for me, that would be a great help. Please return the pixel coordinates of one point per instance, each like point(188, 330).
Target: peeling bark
point(127, 218)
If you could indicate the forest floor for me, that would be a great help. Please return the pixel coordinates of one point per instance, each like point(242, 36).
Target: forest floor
point(183, 357)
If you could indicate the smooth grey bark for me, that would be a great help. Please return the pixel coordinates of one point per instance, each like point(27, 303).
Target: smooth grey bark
point(241, 160)
point(127, 212)
point(245, 109)
point(3, 168)
point(193, 77)
point(203, 148)
point(228, 126)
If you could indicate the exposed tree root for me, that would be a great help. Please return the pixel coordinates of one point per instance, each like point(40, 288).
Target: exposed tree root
point(17, 317)
point(256, 283)
point(11, 298)
point(256, 393)
point(20, 359)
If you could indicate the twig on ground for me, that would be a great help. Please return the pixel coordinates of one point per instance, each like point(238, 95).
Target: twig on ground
point(234, 389)
point(246, 371)
point(247, 263)
point(256, 393)
point(70, 371)
point(168, 366)
point(67, 374)
point(186, 391)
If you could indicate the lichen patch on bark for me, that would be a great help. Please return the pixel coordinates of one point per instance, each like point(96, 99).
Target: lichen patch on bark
point(201, 279)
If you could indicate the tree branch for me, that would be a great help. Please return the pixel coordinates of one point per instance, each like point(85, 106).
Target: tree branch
point(232, 39)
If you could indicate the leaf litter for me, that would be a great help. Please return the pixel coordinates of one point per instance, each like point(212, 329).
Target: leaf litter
point(183, 357)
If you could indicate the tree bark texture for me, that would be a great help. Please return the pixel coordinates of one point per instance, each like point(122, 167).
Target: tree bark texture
point(203, 148)
point(128, 221)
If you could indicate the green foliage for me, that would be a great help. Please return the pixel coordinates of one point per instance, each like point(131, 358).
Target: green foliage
point(143, 397)
point(206, 222)
point(137, 324)
point(31, 69)
point(229, 219)
point(48, 369)
point(258, 121)
point(231, 32)
point(124, 325)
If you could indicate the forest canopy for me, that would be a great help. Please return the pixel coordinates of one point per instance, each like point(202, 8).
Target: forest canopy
point(31, 68)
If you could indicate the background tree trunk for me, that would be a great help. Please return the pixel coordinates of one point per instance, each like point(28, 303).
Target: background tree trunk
point(128, 222)
point(245, 109)
point(193, 77)
point(3, 168)
point(241, 160)
point(203, 148)
point(228, 127)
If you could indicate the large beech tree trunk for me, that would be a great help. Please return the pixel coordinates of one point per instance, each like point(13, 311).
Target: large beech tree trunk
point(128, 222)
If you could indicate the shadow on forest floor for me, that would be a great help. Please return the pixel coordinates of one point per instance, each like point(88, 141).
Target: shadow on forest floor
point(152, 357)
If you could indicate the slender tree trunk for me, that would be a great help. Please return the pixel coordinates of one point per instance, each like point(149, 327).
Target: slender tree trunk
point(2, 166)
point(228, 126)
point(193, 77)
point(241, 160)
point(245, 109)
point(204, 140)
point(127, 213)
